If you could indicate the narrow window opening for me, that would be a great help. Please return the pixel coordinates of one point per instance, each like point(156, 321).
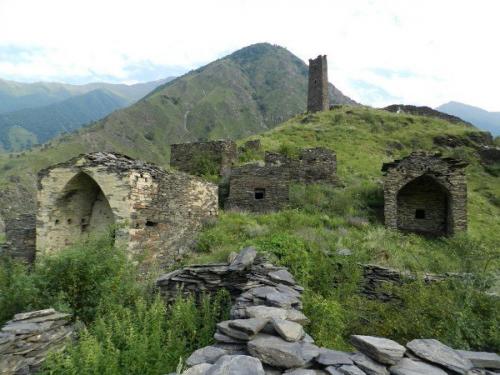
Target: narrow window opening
point(69, 221)
point(260, 193)
point(57, 221)
point(419, 214)
point(151, 223)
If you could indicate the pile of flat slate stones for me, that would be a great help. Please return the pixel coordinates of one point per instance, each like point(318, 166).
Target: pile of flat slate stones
point(26, 340)
point(266, 335)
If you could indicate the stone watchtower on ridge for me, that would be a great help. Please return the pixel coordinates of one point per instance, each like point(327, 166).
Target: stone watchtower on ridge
point(317, 97)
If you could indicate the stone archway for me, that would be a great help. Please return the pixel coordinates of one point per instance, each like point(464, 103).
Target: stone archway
point(423, 207)
point(82, 210)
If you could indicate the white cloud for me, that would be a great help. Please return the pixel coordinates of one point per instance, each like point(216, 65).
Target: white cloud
point(446, 49)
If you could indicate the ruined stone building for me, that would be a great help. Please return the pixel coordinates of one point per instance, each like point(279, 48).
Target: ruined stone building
point(201, 157)
point(425, 193)
point(317, 95)
point(155, 212)
point(262, 188)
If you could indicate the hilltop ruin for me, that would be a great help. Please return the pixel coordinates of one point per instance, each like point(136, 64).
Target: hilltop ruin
point(154, 212)
point(425, 193)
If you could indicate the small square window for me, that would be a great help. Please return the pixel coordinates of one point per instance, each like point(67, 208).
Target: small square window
point(260, 193)
point(419, 214)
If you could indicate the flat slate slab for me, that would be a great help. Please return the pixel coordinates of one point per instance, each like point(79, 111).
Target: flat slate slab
point(380, 349)
point(208, 354)
point(345, 370)
point(289, 331)
point(200, 369)
point(329, 357)
point(275, 351)
point(482, 359)
point(436, 352)
point(266, 312)
point(250, 326)
point(236, 365)
point(368, 365)
point(243, 260)
point(408, 366)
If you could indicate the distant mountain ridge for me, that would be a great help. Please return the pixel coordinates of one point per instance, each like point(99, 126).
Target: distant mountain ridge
point(15, 96)
point(489, 121)
point(24, 128)
point(45, 110)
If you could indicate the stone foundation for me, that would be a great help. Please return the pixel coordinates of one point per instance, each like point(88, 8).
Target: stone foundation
point(20, 235)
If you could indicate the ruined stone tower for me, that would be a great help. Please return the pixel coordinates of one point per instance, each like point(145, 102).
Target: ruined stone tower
point(317, 98)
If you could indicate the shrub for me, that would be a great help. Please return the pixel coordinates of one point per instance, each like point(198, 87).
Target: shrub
point(17, 289)
point(81, 280)
point(145, 338)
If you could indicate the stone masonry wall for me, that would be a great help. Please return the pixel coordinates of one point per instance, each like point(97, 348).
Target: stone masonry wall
point(191, 157)
point(27, 339)
point(21, 237)
point(266, 334)
point(317, 97)
point(156, 213)
point(263, 188)
point(411, 183)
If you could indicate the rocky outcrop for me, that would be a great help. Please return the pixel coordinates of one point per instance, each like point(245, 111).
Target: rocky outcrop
point(26, 340)
point(424, 111)
point(266, 335)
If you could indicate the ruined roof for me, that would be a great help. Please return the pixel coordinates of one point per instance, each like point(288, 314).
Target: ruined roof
point(427, 158)
point(111, 161)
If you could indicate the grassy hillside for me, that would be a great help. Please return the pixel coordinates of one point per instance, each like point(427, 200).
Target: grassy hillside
point(24, 128)
point(129, 331)
point(245, 93)
point(364, 139)
point(310, 237)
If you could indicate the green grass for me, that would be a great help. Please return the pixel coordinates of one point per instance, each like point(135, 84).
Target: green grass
point(322, 220)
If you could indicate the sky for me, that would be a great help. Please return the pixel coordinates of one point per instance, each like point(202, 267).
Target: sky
point(380, 52)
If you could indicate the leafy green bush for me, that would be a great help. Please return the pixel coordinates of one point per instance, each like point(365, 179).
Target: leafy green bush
point(81, 280)
point(17, 289)
point(145, 338)
point(450, 311)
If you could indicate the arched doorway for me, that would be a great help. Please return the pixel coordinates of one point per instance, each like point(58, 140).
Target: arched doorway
point(82, 210)
point(422, 207)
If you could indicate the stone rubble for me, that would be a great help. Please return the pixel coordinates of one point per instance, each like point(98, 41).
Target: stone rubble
point(265, 333)
point(26, 340)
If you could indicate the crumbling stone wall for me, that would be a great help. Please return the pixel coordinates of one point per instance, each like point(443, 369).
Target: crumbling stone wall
point(262, 188)
point(266, 335)
point(155, 212)
point(21, 237)
point(317, 97)
point(425, 193)
point(27, 339)
point(196, 156)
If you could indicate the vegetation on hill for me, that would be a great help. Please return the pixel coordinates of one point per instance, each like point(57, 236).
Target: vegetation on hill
point(311, 236)
point(129, 330)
